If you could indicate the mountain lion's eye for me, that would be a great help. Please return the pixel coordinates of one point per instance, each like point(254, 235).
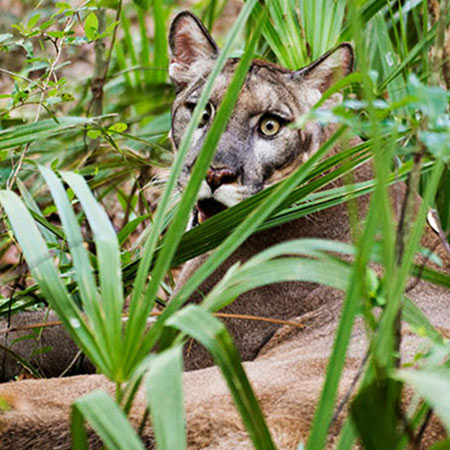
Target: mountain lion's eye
point(206, 115)
point(269, 126)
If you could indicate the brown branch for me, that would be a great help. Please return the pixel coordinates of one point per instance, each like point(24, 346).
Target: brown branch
point(98, 81)
point(348, 393)
point(54, 323)
point(101, 66)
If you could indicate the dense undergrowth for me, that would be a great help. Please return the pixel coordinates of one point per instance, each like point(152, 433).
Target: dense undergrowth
point(84, 129)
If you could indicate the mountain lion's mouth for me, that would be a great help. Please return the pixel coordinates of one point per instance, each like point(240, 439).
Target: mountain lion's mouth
point(207, 208)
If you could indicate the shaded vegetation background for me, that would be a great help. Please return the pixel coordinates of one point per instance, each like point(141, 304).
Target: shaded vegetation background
point(84, 91)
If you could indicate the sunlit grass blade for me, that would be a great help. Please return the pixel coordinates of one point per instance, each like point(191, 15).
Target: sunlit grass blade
point(44, 272)
point(108, 421)
point(423, 44)
point(165, 398)
point(325, 271)
point(322, 23)
point(160, 56)
point(274, 39)
point(83, 272)
point(280, 263)
point(32, 205)
point(387, 58)
point(24, 134)
point(385, 335)
point(419, 321)
point(108, 258)
point(368, 10)
point(212, 334)
point(324, 410)
point(129, 47)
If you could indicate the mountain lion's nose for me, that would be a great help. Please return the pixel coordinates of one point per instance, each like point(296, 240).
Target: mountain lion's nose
point(217, 177)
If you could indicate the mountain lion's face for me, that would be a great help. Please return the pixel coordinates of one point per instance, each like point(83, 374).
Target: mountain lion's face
point(257, 148)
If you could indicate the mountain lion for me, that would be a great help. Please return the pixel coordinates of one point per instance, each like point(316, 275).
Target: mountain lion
point(286, 365)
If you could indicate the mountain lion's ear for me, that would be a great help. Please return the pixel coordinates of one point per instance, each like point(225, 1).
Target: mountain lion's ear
point(190, 43)
point(328, 69)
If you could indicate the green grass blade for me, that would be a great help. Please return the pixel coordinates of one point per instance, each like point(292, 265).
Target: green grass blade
point(369, 9)
point(272, 266)
point(108, 421)
point(25, 134)
point(83, 271)
point(324, 410)
point(165, 398)
point(422, 45)
point(212, 334)
point(160, 55)
point(129, 47)
point(274, 39)
point(374, 412)
point(414, 316)
point(44, 272)
point(145, 47)
point(32, 205)
point(385, 335)
point(108, 257)
point(325, 271)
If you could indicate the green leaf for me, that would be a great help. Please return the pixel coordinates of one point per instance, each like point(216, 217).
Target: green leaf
point(32, 205)
point(46, 24)
point(119, 127)
point(108, 421)
point(165, 397)
point(63, 5)
point(56, 34)
point(94, 134)
point(33, 21)
point(270, 267)
point(91, 26)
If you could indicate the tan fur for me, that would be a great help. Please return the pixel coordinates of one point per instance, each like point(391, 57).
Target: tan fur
point(286, 365)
